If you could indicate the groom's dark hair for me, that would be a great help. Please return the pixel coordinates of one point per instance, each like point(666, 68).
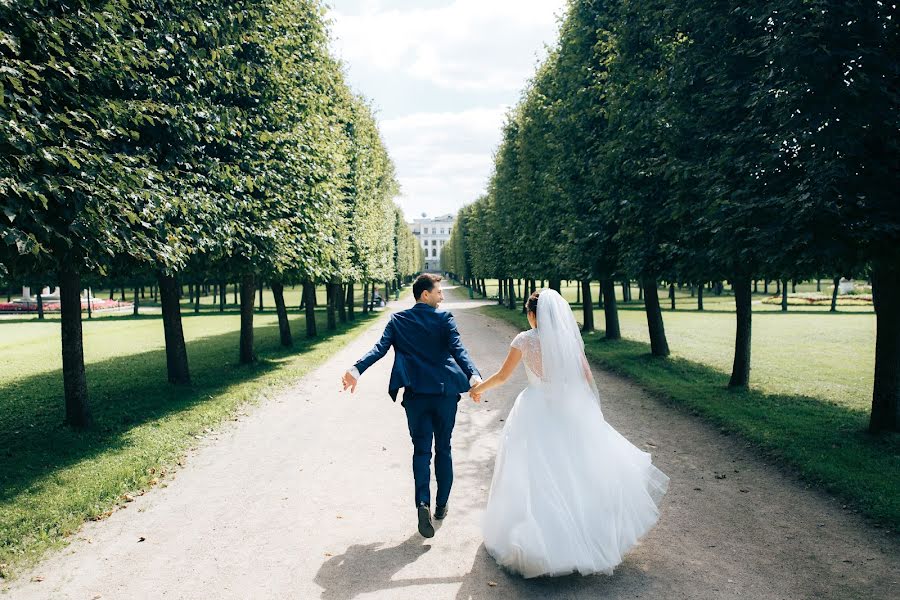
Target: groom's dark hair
point(424, 283)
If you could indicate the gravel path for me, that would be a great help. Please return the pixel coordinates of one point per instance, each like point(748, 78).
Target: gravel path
point(309, 496)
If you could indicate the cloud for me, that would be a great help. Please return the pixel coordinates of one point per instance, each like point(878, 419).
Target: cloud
point(466, 45)
point(443, 72)
point(445, 158)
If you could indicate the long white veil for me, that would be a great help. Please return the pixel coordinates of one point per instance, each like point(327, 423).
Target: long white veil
point(564, 365)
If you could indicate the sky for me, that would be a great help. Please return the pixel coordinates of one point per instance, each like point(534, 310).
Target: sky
point(441, 75)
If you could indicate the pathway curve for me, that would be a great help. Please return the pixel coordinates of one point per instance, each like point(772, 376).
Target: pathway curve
point(310, 496)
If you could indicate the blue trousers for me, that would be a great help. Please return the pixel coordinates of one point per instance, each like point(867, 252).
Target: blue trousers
point(431, 419)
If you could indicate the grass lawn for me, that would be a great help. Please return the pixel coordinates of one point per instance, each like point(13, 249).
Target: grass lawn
point(53, 479)
point(811, 390)
point(208, 303)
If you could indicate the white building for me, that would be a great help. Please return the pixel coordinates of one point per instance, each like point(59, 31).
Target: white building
point(433, 233)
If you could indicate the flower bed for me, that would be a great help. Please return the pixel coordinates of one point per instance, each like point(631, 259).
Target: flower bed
point(818, 299)
point(53, 307)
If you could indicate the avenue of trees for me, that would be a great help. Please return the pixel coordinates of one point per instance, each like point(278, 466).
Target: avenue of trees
point(162, 142)
point(693, 142)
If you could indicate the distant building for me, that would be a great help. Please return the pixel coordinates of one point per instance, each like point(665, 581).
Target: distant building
point(433, 233)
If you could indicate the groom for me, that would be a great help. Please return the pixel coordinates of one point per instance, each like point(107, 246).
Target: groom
point(433, 368)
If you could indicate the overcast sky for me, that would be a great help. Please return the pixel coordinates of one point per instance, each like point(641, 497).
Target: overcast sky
point(441, 75)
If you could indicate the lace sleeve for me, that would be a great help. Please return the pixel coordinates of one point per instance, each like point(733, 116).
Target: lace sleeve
point(519, 341)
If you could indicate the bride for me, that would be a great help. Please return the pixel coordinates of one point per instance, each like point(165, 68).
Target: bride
point(569, 493)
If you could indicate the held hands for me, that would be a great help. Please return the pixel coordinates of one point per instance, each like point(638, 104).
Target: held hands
point(474, 392)
point(349, 381)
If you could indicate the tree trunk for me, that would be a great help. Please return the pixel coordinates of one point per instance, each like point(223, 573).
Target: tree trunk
point(197, 299)
point(886, 393)
point(223, 288)
point(351, 315)
point(755, 286)
point(365, 307)
point(587, 306)
point(501, 283)
point(672, 294)
point(766, 287)
point(191, 293)
point(284, 326)
point(834, 294)
point(511, 294)
point(309, 293)
point(236, 286)
point(625, 291)
point(532, 287)
point(556, 284)
point(137, 302)
point(40, 304)
point(658, 344)
point(777, 287)
point(743, 300)
point(78, 413)
point(793, 286)
point(700, 297)
point(176, 351)
point(339, 299)
point(122, 294)
point(784, 295)
point(261, 286)
point(330, 305)
point(89, 302)
point(248, 284)
point(610, 310)
point(578, 294)
point(819, 284)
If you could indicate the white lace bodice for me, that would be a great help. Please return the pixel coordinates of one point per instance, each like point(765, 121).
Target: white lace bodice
point(529, 344)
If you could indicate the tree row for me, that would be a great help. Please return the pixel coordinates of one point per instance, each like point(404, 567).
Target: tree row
point(704, 141)
point(171, 141)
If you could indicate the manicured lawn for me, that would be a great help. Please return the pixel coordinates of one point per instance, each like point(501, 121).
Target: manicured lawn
point(53, 479)
point(810, 396)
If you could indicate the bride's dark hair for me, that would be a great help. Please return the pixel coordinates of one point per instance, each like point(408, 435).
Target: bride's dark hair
point(531, 303)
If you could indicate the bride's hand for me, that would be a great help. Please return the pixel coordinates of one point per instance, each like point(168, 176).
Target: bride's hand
point(474, 393)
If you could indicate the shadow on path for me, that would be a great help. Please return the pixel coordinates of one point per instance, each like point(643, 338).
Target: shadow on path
point(369, 568)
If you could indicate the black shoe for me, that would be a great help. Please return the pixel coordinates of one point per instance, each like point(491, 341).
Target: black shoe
point(440, 512)
point(425, 526)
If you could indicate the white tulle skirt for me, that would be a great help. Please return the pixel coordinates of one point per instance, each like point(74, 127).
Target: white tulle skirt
point(569, 493)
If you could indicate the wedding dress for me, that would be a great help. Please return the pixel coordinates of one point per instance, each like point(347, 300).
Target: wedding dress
point(569, 493)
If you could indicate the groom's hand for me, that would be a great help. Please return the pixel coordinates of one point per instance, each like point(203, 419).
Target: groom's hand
point(349, 381)
point(474, 394)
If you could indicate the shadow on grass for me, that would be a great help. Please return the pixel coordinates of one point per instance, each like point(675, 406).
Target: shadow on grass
point(126, 392)
point(827, 444)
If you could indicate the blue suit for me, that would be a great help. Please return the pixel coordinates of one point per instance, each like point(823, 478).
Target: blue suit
point(433, 368)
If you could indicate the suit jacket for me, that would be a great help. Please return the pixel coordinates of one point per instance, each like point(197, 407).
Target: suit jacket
point(429, 357)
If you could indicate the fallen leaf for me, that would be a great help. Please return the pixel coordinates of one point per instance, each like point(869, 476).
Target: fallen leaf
point(329, 554)
point(698, 489)
point(744, 490)
point(492, 583)
point(128, 498)
point(141, 539)
point(37, 578)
